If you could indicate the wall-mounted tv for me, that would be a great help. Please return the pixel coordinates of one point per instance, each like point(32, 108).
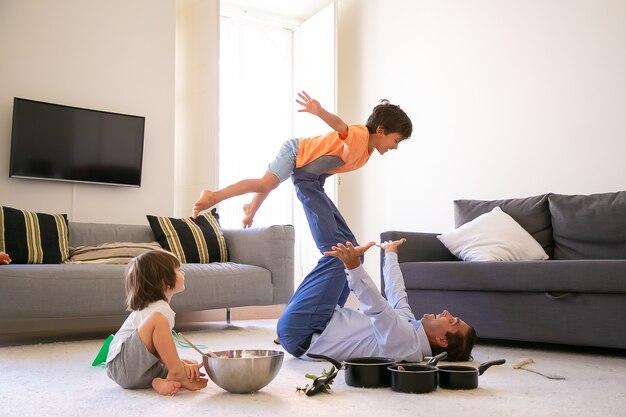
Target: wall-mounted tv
point(63, 143)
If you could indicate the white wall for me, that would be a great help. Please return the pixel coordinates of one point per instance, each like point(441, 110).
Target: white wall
point(508, 99)
point(113, 55)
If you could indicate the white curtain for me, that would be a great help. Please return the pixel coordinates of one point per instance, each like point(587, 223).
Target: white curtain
point(256, 113)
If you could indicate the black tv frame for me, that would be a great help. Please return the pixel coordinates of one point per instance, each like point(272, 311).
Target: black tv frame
point(96, 167)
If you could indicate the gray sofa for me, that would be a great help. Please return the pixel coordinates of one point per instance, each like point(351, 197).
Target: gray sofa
point(49, 298)
point(577, 297)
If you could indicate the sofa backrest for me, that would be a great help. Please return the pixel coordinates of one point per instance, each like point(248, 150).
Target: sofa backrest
point(589, 226)
point(91, 234)
point(532, 213)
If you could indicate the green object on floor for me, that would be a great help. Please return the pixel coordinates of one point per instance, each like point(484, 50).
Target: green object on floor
point(101, 357)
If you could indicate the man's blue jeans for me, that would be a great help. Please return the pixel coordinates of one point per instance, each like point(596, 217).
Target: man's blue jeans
point(312, 305)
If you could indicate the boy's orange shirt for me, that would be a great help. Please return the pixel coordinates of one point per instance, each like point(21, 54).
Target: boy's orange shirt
point(352, 149)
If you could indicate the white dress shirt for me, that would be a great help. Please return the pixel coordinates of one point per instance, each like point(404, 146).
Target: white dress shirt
point(382, 328)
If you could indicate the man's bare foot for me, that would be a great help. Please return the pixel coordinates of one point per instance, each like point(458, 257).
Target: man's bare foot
point(248, 216)
point(165, 387)
point(391, 246)
point(205, 201)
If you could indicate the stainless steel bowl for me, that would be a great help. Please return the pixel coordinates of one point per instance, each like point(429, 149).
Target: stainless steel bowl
point(243, 371)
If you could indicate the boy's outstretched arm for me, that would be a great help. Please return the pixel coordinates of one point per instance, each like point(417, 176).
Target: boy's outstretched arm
point(313, 106)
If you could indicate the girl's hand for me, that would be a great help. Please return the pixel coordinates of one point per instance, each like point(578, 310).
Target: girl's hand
point(192, 370)
point(309, 104)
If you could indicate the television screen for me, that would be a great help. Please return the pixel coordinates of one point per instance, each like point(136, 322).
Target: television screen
point(63, 143)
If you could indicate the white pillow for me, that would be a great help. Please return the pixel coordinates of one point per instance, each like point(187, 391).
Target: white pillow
point(493, 236)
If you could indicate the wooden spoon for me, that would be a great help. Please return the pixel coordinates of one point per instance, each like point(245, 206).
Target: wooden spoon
point(211, 354)
point(527, 361)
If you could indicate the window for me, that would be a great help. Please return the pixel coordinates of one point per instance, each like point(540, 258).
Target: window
point(256, 112)
point(262, 66)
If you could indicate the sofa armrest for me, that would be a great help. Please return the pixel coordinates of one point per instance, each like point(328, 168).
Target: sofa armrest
point(271, 248)
point(419, 247)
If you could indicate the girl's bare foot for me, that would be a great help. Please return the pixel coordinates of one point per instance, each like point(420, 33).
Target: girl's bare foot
point(180, 377)
point(391, 246)
point(205, 201)
point(248, 216)
point(165, 387)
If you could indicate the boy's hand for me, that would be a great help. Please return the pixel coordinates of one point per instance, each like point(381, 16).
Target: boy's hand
point(349, 254)
point(314, 107)
point(309, 104)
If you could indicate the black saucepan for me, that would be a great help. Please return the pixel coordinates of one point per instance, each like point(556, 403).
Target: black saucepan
point(368, 372)
point(415, 378)
point(463, 377)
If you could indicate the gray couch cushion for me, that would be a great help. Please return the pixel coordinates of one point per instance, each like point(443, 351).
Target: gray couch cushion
point(532, 213)
point(580, 276)
point(589, 226)
point(80, 290)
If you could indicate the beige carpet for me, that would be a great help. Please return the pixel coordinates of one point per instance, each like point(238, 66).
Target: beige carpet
point(56, 379)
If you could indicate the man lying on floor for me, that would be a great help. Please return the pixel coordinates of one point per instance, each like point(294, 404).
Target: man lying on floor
point(315, 320)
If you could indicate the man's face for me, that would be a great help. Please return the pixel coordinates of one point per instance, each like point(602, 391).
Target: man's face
point(437, 325)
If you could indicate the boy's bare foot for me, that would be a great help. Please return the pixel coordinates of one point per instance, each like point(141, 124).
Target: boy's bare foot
point(248, 216)
point(165, 387)
point(205, 201)
point(391, 246)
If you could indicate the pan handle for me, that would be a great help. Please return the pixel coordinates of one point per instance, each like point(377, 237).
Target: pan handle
point(484, 366)
point(433, 361)
point(335, 362)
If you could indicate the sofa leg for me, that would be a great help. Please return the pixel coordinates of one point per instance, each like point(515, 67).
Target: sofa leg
point(227, 315)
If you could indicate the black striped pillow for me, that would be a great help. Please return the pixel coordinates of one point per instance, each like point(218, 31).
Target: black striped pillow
point(34, 238)
point(198, 240)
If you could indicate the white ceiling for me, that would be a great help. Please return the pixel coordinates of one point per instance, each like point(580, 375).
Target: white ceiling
point(294, 9)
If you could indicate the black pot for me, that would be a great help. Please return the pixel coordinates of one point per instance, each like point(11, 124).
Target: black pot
point(362, 372)
point(415, 378)
point(463, 377)
point(368, 372)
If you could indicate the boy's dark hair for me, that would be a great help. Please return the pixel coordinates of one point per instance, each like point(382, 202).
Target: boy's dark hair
point(459, 346)
point(148, 276)
point(391, 118)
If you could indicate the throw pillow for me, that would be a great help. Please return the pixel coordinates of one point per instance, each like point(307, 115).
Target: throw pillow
point(198, 240)
point(34, 238)
point(589, 226)
point(111, 253)
point(492, 236)
point(532, 213)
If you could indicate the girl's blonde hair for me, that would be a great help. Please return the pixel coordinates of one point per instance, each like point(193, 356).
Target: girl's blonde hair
point(148, 276)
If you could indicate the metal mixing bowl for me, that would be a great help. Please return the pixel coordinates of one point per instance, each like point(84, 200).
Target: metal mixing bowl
point(243, 371)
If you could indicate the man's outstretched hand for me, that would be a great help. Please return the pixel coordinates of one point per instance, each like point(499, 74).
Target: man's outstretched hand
point(349, 254)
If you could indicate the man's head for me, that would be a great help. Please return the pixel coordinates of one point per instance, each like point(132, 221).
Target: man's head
point(450, 334)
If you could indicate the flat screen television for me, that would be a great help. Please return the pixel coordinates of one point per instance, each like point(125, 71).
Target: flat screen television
point(63, 143)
